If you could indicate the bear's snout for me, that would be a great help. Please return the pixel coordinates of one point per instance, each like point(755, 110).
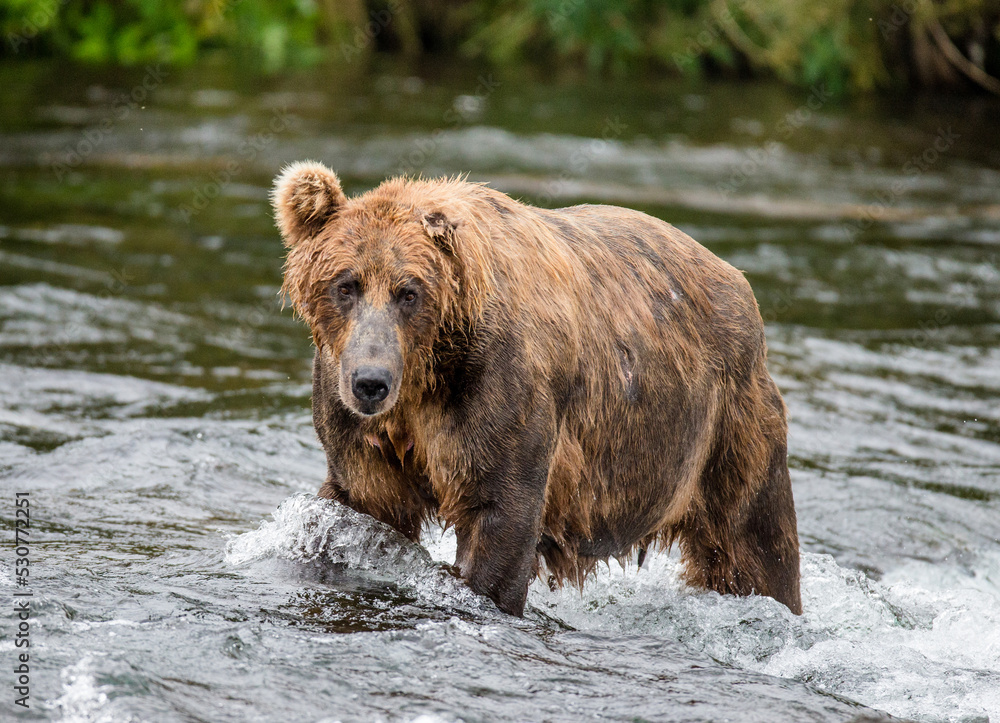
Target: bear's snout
point(371, 363)
point(371, 385)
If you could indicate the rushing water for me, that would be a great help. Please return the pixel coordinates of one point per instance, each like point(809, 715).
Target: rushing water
point(154, 404)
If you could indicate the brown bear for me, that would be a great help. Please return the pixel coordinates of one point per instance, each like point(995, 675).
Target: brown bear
point(566, 385)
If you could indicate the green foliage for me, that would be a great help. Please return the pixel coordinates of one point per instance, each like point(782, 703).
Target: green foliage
point(598, 34)
point(844, 45)
point(803, 42)
point(130, 32)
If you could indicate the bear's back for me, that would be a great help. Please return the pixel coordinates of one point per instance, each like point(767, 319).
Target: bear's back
point(636, 260)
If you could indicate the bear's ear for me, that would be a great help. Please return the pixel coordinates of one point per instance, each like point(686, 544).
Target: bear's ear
point(440, 229)
point(306, 195)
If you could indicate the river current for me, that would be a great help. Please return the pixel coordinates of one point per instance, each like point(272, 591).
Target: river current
point(154, 404)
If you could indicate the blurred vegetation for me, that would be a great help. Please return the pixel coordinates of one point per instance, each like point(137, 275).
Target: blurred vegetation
point(847, 45)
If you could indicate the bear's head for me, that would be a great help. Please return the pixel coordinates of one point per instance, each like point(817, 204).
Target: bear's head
point(375, 277)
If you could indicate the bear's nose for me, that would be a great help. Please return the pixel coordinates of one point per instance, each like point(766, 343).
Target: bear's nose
point(371, 384)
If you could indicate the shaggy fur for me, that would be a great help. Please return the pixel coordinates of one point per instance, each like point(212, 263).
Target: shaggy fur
point(576, 384)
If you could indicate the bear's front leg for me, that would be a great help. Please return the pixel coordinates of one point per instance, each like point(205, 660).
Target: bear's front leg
point(499, 527)
point(502, 436)
point(497, 549)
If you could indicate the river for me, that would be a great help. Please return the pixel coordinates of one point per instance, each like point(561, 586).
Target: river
point(154, 402)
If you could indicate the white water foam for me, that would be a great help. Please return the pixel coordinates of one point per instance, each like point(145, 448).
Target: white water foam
point(924, 643)
point(83, 700)
point(306, 528)
point(925, 651)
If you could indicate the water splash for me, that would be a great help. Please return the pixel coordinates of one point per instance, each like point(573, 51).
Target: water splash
point(900, 645)
point(914, 644)
point(307, 528)
point(82, 700)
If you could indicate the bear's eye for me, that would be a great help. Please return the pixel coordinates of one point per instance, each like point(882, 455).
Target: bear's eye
point(344, 291)
point(408, 296)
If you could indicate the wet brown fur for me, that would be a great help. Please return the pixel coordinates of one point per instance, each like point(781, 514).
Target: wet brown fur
point(579, 383)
